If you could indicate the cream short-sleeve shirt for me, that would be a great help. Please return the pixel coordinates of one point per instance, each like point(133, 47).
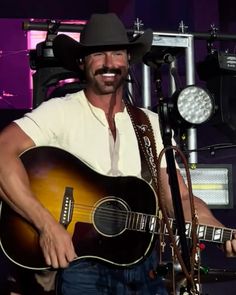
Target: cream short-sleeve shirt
point(78, 127)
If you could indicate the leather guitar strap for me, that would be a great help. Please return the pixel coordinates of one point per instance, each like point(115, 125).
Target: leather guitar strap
point(146, 142)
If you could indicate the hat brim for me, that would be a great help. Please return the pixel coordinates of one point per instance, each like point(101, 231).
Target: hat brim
point(67, 50)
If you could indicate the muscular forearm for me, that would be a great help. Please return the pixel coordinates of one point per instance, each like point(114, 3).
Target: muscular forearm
point(16, 191)
point(55, 241)
point(14, 183)
point(203, 213)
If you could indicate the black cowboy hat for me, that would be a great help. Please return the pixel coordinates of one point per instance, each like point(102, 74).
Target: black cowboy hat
point(101, 32)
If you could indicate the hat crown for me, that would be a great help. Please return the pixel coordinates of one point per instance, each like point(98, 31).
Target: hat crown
point(102, 32)
point(104, 29)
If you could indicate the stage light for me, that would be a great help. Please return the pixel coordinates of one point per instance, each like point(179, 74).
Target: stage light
point(212, 183)
point(194, 104)
point(48, 78)
point(218, 71)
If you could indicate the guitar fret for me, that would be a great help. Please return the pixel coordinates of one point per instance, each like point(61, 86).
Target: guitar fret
point(129, 220)
point(188, 228)
point(143, 222)
point(133, 221)
point(145, 219)
point(227, 235)
point(209, 233)
point(152, 224)
point(137, 221)
point(217, 236)
point(165, 231)
point(156, 229)
point(171, 224)
point(201, 231)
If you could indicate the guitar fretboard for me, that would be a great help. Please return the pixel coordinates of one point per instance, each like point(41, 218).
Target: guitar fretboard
point(150, 223)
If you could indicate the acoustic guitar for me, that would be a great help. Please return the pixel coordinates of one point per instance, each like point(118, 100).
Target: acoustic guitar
point(112, 219)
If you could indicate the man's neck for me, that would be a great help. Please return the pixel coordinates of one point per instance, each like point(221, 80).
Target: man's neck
point(110, 103)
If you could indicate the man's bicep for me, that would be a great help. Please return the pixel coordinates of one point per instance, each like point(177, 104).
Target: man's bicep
point(14, 140)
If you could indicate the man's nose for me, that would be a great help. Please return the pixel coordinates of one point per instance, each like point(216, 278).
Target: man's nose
point(108, 60)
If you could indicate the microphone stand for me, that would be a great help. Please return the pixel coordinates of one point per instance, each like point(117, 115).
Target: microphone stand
point(166, 133)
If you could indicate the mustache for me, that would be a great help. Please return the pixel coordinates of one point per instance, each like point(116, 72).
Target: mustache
point(106, 70)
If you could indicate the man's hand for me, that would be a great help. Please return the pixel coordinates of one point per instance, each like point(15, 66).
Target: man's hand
point(56, 244)
point(230, 247)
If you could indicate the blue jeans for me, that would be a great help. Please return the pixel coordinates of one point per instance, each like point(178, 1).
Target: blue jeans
point(93, 278)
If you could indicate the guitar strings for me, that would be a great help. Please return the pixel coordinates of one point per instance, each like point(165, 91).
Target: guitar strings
point(134, 219)
point(106, 213)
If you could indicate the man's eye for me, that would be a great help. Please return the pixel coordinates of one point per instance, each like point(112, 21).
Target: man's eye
point(97, 54)
point(119, 52)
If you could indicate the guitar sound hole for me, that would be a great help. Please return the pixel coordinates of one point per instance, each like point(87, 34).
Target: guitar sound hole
point(110, 217)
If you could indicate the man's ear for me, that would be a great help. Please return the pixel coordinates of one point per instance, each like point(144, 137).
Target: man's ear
point(80, 63)
point(129, 57)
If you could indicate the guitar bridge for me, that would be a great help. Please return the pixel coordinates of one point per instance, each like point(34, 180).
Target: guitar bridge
point(67, 207)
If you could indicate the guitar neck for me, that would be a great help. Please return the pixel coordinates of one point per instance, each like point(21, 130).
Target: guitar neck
point(143, 222)
point(207, 233)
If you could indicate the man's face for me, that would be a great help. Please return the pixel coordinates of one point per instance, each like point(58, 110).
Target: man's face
point(106, 70)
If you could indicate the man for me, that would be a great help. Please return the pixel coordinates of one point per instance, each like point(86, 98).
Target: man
point(93, 125)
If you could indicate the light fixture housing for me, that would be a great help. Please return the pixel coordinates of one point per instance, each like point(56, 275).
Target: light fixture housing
point(194, 105)
point(213, 183)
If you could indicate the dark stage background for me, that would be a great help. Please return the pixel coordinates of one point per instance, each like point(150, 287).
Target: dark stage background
point(198, 15)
